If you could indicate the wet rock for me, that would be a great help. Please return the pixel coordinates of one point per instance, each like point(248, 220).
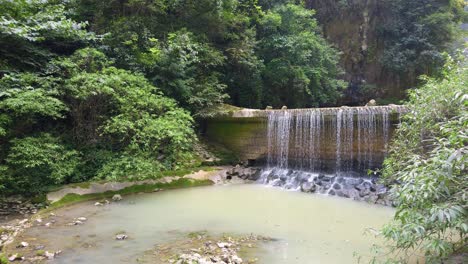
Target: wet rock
point(331, 192)
point(340, 180)
point(381, 189)
point(98, 204)
point(308, 187)
point(121, 237)
point(337, 186)
point(340, 193)
point(82, 219)
point(116, 198)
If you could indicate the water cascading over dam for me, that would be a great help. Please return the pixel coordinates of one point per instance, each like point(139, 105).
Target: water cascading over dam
point(335, 140)
point(326, 150)
point(323, 150)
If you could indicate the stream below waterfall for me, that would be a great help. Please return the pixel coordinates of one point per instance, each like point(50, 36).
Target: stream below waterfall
point(306, 228)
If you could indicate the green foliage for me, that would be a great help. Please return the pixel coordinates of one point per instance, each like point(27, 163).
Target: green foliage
point(428, 159)
point(417, 34)
point(35, 162)
point(24, 24)
point(117, 125)
point(300, 67)
point(186, 71)
point(29, 95)
point(195, 51)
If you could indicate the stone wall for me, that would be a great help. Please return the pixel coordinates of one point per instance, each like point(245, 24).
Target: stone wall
point(246, 133)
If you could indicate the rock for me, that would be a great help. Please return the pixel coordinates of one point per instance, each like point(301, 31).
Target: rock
point(23, 244)
point(372, 102)
point(284, 107)
point(40, 247)
point(157, 190)
point(269, 107)
point(117, 197)
point(340, 193)
point(364, 192)
point(331, 192)
point(15, 257)
point(49, 255)
point(223, 245)
point(381, 189)
point(82, 219)
point(372, 198)
point(98, 204)
point(121, 237)
point(308, 187)
point(337, 186)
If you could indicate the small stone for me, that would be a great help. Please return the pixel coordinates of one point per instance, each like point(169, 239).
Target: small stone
point(39, 220)
point(82, 219)
point(22, 222)
point(223, 245)
point(117, 197)
point(23, 244)
point(337, 186)
point(157, 190)
point(284, 107)
point(49, 255)
point(121, 237)
point(372, 102)
point(98, 204)
point(14, 257)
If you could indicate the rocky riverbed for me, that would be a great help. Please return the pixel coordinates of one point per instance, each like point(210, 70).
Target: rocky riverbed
point(366, 189)
point(200, 247)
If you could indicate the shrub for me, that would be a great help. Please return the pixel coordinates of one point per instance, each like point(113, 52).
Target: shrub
point(428, 159)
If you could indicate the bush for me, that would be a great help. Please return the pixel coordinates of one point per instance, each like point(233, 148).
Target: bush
point(428, 159)
point(36, 162)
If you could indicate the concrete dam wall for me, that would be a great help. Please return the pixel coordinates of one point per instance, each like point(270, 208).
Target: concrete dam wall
point(333, 140)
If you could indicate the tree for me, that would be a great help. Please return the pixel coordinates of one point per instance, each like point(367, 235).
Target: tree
point(300, 67)
point(25, 25)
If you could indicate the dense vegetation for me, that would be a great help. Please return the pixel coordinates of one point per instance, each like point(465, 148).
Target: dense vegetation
point(387, 44)
point(429, 162)
point(93, 89)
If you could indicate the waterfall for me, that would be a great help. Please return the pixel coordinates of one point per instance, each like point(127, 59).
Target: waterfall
point(337, 140)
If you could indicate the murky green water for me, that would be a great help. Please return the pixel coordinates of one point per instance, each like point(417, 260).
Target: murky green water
point(309, 228)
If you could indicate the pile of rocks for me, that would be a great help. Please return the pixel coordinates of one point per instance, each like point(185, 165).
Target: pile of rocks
point(357, 188)
point(9, 231)
point(199, 247)
point(244, 173)
point(17, 205)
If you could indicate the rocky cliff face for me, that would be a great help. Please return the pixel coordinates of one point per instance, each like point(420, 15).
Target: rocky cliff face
point(353, 27)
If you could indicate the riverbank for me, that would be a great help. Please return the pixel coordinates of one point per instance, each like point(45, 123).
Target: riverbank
point(29, 213)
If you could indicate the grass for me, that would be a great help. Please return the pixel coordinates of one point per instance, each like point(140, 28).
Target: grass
point(72, 198)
